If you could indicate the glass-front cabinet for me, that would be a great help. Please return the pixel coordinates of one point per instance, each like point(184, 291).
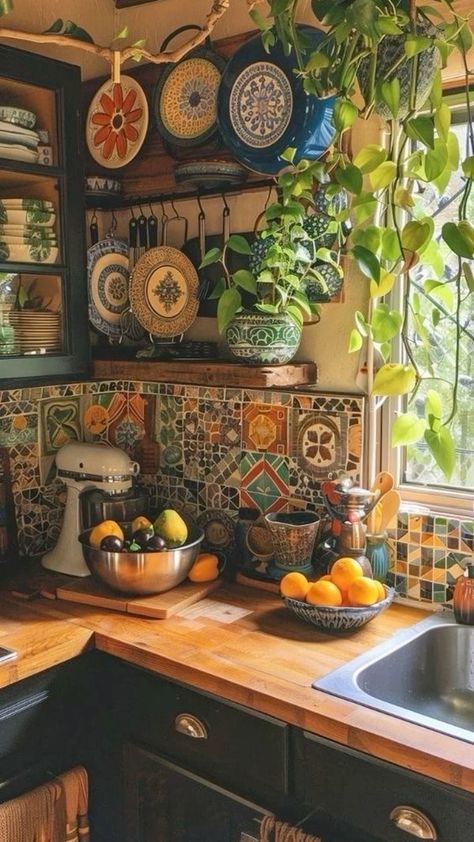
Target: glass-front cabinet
point(43, 290)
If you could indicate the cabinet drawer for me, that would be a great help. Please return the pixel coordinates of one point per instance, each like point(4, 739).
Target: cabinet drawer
point(363, 791)
point(239, 748)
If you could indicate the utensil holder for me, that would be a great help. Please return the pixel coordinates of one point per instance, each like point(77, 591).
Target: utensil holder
point(376, 550)
point(293, 535)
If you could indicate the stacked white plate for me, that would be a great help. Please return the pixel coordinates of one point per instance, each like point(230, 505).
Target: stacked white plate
point(36, 331)
point(27, 232)
point(18, 143)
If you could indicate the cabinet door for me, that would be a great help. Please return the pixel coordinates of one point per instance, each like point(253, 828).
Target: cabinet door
point(166, 803)
point(376, 797)
point(43, 289)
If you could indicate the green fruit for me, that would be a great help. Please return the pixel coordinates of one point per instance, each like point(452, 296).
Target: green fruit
point(170, 526)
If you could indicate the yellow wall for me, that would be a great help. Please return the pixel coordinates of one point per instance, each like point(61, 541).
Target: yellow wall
point(325, 343)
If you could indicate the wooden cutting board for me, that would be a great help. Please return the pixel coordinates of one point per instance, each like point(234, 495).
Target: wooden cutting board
point(159, 606)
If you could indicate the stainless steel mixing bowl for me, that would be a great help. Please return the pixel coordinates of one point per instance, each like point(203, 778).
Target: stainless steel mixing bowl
point(143, 572)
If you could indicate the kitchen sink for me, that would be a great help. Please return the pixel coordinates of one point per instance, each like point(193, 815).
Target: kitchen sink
point(424, 674)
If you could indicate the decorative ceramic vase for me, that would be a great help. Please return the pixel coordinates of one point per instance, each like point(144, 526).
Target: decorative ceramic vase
point(293, 535)
point(376, 551)
point(463, 600)
point(263, 338)
point(391, 63)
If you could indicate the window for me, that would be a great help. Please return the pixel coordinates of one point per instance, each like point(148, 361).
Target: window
point(420, 479)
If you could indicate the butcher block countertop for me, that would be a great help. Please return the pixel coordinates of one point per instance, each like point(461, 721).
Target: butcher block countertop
point(265, 660)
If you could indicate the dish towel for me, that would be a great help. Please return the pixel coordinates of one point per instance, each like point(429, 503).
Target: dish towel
point(53, 812)
point(271, 830)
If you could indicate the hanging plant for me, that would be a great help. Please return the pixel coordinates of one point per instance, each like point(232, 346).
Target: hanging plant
point(390, 52)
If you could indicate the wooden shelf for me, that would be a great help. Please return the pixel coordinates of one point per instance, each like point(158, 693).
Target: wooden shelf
point(208, 373)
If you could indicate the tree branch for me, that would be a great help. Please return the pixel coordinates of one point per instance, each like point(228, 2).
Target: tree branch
point(218, 9)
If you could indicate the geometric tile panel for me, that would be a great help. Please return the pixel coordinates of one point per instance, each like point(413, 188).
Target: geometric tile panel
point(220, 449)
point(434, 549)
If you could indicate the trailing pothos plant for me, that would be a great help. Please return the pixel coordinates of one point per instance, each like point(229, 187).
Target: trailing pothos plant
point(385, 56)
point(288, 257)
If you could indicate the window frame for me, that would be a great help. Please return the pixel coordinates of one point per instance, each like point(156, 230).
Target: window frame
point(442, 499)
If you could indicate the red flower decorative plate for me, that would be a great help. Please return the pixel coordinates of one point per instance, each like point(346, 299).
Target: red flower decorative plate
point(117, 121)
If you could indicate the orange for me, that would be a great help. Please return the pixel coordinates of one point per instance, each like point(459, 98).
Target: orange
point(344, 571)
point(381, 589)
point(324, 593)
point(205, 568)
point(140, 522)
point(294, 585)
point(363, 591)
point(326, 578)
point(106, 527)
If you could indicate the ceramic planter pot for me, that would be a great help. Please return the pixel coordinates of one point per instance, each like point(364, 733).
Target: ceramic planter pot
point(389, 51)
point(263, 338)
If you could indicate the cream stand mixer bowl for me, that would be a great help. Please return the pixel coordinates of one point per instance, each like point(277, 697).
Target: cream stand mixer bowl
point(84, 468)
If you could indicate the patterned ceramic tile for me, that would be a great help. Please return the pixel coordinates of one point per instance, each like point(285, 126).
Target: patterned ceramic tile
point(24, 466)
point(18, 428)
point(266, 476)
point(301, 484)
point(319, 441)
point(221, 422)
point(213, 495)
point(265, 428)
point(60, 423)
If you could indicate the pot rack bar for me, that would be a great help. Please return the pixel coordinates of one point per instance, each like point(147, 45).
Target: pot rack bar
point(111, 203)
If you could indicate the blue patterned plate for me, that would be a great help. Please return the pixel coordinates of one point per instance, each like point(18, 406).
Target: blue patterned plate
point(108, 276)
point(262, 107)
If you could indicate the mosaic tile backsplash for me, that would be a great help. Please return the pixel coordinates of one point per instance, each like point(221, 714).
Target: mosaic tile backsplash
point(213, 452)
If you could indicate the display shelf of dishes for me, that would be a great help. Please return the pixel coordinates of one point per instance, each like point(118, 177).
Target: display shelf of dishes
point(27, 231)
point(252, 106)
point(20, 140)
point(30, 314)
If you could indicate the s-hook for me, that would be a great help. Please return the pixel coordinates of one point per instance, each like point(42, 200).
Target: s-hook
point(94, 229)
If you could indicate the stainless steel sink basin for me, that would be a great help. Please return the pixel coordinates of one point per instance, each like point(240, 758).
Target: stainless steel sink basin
point(424, 673)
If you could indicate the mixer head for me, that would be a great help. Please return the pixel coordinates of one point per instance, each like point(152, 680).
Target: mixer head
point(96, 465)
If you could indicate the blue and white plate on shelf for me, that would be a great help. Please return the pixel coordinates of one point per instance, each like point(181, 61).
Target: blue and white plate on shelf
point(263, 109)
point(108, 281)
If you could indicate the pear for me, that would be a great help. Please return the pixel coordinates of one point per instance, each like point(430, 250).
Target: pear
point(170, 526)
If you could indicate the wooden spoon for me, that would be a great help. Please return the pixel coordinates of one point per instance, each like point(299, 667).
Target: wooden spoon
point(389, 504)
point(374, 520)
point(383, 482)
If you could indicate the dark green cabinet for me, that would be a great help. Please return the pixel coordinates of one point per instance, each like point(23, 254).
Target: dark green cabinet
point(43, 287)
point(167, 762)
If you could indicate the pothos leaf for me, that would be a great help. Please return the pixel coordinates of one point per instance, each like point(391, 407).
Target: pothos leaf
point(355, 341)
point(239, 244)
point(441, 446)
point(407, 429)
point(229, 302)
point(394, 379)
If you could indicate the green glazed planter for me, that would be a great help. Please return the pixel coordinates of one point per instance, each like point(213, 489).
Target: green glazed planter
point(263, 338)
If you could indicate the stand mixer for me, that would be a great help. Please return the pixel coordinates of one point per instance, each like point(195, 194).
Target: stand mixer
point(99, 482)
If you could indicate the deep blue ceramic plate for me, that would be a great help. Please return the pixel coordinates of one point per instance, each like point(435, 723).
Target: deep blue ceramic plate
point(262, 108)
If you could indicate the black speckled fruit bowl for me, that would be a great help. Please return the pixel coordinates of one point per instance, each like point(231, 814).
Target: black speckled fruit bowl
point(342, 618)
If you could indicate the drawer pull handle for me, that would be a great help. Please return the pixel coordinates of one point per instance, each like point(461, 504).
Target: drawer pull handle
point(414, 822)
point(190, 726)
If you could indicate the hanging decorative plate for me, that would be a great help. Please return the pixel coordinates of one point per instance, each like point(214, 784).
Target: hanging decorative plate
point(116, 123)
point(185, 98)
point(262, 108)
point(163, 291)
point(108, 279)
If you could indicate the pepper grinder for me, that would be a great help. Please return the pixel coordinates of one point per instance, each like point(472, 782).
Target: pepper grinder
point(463, 599)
